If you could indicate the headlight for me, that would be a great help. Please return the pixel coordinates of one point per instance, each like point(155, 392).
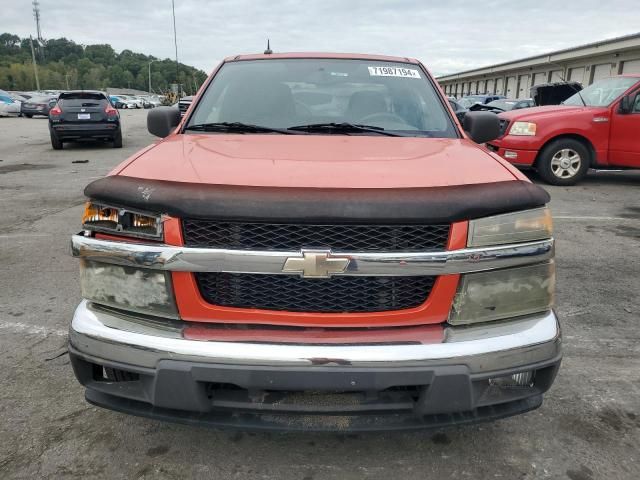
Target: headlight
point(120, 221)
point(523, 129)
point(129, 288)
point(523, 226)
point(499, 294)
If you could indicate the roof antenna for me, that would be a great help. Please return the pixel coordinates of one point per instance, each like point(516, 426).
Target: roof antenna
point(268, 51)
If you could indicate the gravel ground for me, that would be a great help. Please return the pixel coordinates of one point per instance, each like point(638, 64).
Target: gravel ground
point(587, 429)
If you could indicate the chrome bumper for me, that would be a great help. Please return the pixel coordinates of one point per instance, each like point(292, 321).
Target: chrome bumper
point(100, 335)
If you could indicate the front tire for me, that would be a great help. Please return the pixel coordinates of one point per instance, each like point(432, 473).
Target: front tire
point(56, 143)
point(564, 162)
point(28, 115)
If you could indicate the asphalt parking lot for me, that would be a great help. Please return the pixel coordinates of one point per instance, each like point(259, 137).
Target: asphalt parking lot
point(587, 429)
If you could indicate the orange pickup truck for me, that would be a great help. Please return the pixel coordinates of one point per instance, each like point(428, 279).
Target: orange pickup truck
point(317, 244)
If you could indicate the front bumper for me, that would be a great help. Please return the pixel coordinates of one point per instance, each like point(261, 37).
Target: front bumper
point(519, 150)
point(309, 386)
point(70, 131)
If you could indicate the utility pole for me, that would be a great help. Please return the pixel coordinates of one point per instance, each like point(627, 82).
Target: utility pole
point(35, 67)
point(150, 74)
point(175, 40)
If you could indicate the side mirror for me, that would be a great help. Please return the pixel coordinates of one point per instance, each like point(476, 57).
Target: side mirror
point(625, 105)
point(461, 114)
point(481, 126)
point(162, 120)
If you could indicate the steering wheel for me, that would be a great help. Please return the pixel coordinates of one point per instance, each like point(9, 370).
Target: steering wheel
point(376, 118)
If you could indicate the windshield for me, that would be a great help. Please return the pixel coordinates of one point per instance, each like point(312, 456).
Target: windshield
point(601, 93)
point(294, 92)
point(502, 104)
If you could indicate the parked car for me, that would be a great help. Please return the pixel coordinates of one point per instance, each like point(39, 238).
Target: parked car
point(458, 109)
point(81, 115)
point(115, 101)
point(184, 103)
point(504, 105)
point(8, 106)
point(146, 104)
point(132, 99)
point(155, 101)
point(128, 102)
point(356, 257)
point(595, 128)
point(19, 98)
point(470, 100)
point(38, 106)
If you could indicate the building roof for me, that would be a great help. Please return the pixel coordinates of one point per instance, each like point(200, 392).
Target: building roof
point(617, 44)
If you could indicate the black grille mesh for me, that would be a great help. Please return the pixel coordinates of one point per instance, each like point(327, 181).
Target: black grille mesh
point(349, 294)
point(273, 236)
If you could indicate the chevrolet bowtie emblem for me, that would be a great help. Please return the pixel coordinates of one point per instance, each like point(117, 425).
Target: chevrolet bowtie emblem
point(316, 264)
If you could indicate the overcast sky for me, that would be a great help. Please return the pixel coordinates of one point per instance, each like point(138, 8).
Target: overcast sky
point(447, 35)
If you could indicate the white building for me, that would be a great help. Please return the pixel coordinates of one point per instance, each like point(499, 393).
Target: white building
point(584, 64)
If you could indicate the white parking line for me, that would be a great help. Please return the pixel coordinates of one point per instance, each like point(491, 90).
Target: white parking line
point(18, 235)
point(595, 219)
point(21, 327)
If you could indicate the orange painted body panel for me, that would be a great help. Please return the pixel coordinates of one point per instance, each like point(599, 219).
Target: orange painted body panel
point(192, 307)
point(424, 334)
point(318, 161)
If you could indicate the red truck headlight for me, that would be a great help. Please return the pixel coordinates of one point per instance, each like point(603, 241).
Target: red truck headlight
point(525, 129)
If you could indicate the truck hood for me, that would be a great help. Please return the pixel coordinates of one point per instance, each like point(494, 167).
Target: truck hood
point(535, 113)
point(317, 161)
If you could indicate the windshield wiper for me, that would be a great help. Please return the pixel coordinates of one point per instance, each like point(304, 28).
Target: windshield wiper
point(345, 127)
point(237, 127)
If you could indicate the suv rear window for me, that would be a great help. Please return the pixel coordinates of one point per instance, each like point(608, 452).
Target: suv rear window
point(81, 99)
point(82, 96)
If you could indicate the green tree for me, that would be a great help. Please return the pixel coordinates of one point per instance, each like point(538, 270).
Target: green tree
point(62, 63)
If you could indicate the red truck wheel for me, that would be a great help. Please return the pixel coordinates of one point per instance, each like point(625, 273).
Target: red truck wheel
point(564, 162)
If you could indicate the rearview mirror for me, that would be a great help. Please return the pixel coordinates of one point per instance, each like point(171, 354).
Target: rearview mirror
point(625, 104)
point(162, 120)
point(481, 126)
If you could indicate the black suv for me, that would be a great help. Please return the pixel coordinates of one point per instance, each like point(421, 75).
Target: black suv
point(84, 114)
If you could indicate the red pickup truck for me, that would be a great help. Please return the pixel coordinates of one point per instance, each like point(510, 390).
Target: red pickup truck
point(317, 244)
point(595, 128)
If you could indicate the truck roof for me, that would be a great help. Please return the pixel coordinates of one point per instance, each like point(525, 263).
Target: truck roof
point(356, 56)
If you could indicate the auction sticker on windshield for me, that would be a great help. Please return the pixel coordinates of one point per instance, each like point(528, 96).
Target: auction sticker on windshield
point(393, 72)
